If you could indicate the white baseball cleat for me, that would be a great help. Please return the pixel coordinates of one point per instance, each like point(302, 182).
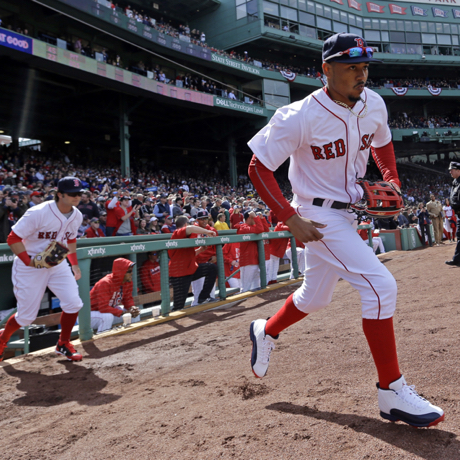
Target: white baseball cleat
point(262, 346)
point(401, 402)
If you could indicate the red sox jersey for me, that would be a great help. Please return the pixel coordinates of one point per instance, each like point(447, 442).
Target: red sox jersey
point(324, 141)
point(44, 223)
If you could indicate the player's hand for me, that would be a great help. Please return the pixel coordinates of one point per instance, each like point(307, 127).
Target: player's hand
point(213, 259)
point(211, 233)
point(134, 312)
point(76, 271)
point(395, 186)
point(305, 230)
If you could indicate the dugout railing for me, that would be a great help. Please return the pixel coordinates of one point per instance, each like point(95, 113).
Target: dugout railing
point(133, 246)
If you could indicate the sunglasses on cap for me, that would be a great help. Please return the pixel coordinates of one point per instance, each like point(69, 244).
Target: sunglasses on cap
point(354, 53)
point(74, 194)
point(95, 222)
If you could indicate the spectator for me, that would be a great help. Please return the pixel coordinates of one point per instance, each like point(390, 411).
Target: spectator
point(77, 46)
point(93, 231)
point(237, 217)
point(110, 206)
point(231, 95)
point(434, 208)
point(216, 209)
point(125, 220)
point(249, 255)
point(177, 209)
point(450, 221)
point(162, 208)
point(221, 224)
point(142, 229)
point(153, 225)
point(183, 268)
point(168, 226)
point(35, 198)
point(83, 227)
point(103, 222)
point(424, 224)
point(403, 221)
point(150, 274)
point(10, 213)
point(112, 294)
point(87, 207)
point(203, 37)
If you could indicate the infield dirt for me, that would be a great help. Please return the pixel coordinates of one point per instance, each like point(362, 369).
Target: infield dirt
point(184, 389)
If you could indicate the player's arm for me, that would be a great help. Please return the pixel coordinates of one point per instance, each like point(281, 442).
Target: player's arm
point(72, 257)
point(195, 230)
point(386, 161)
point(264, 181)
point(17, 247)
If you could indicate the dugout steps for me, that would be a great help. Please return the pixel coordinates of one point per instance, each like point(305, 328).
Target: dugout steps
point(147, 320)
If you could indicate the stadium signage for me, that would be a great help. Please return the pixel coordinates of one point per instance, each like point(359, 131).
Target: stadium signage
point(235, 64)
point(137, 247)
point(171, 244)
point(200, 241)
point(16, 41)
point(281, 233)
point(246, 237)
point(96, 251)
point(264, 235)
point(225, 240)
point(222, 102)
point(6, 258)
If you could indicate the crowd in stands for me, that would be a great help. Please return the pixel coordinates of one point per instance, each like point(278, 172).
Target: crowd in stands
point(405, 121)
point(416, 83)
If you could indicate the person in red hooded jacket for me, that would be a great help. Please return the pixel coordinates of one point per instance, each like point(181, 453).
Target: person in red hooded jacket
point(111, 294)
point(277, 250)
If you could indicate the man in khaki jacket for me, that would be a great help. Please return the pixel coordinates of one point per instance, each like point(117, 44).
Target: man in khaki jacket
point(434, 209)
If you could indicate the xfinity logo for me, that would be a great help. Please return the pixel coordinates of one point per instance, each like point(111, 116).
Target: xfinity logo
point(225, 240)
point(171, 244)
point(246, 237)
point(94, 251)
point(200, 242)
point(137, 247)
point(264, 235)
point(281, 233)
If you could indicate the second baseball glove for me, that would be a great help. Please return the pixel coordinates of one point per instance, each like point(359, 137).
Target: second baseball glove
point(53, 255)
point(380, 199)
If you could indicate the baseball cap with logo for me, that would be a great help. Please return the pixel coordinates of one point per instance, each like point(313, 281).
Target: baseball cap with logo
point(202, 215)
point(94, 219)
point(454, 165)
point(70, 184)
point(36, 193)
point(347, 48)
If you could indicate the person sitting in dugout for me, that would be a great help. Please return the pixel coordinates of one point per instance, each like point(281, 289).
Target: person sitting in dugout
point(110, 295)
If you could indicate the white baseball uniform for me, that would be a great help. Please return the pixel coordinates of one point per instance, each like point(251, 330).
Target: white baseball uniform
point(38, 227)
point(328, 147)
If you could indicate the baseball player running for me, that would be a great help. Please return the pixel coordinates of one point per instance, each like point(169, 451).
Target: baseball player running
point(41, 240)
point(327, 137)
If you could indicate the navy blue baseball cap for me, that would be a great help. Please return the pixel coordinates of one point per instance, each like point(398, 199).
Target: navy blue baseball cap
point(202, 214)
point(70, 184)
point(347, 48)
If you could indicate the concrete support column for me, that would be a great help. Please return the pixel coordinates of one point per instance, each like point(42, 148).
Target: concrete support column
point(124, 137)
point(232, 161)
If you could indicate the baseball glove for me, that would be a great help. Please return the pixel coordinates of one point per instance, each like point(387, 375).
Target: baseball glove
point(380, 200)
point(53, 255)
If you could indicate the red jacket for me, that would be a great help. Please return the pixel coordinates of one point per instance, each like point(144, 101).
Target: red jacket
point(210, 251)
point(231, 252)
point(236, 218)
point(110, 291)
point(278, 246)
point(182, 262)
point(249, 255)
point(150, 277)
point(272, 218)
point(119, 213)
point(111, 216)
point(90, 233)
point(297, 242)
point(266, 242)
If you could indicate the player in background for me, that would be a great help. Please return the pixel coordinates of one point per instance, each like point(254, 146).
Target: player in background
point(328, 136)
point(57, 220)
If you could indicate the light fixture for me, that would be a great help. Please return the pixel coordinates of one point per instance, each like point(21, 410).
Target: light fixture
point(67, 142)
point(1, 131)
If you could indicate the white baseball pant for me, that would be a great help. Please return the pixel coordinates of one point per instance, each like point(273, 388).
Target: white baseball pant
point(197, 287)
point(300, 260)
point(342, 253)
point(377, 243)
point(234, 282)
point(104, 321)
point(29, 285)
point(250, 278)
point(275, 265)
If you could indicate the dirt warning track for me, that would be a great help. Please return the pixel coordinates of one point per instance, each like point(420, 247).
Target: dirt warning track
point(184, 389)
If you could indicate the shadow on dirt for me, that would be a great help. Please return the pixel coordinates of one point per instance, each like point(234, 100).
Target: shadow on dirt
point(78, 384)
point(429, 444)
point(201, 319)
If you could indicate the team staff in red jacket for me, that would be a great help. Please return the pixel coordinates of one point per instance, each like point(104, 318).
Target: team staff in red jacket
point(249, 255)
point(207, 254)
point(268, 262)
point(112, 295)
point(277, 250)
point(183, 268)
point(150, 274)
point(231, 253)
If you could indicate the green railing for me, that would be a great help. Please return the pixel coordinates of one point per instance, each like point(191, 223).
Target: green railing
point(162, 246)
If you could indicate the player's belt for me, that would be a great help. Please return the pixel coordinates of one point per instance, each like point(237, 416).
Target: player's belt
point(334, 205)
